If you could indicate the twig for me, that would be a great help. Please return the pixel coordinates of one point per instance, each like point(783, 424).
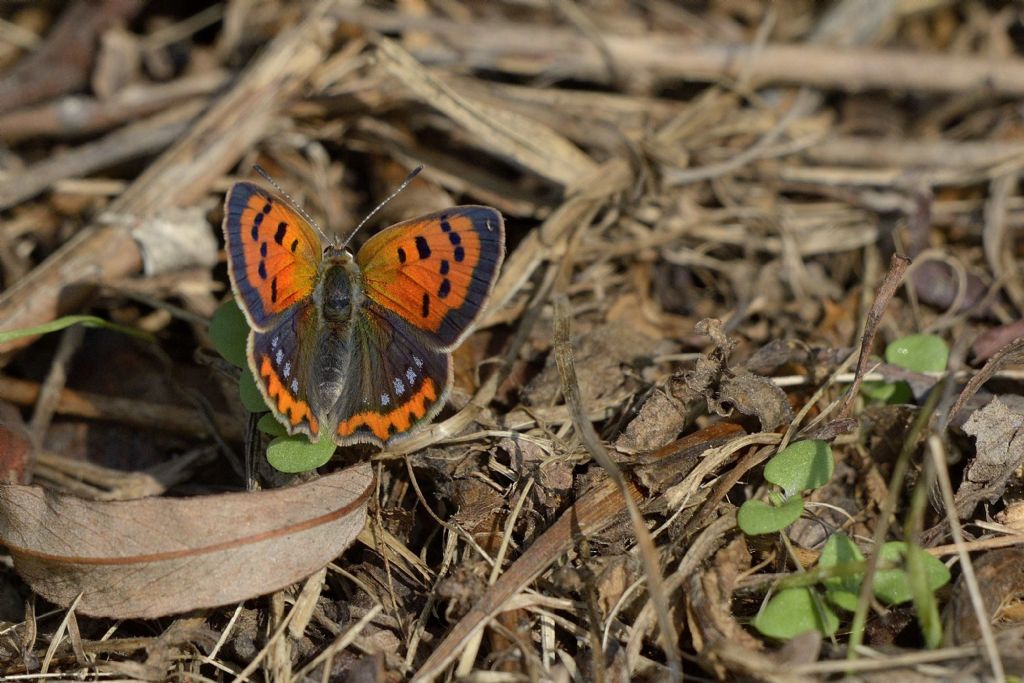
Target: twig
point(132, 141)
point(494, 45)
point(588, 435)
point(79, 115)
point(937, 453)
point(64, 61)
point(126, 411)
point(56, 377)
point(179, 177)
point(897, 266)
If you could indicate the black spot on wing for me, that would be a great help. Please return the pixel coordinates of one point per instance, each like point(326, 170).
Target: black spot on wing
point(282, 230)
point(263, 249)
point(401, 255)
point(444, 289)
point(273, 291)
point(426, 305)
point(422, 248)
point(262, 270)
point(445, 266)
point(460, 253)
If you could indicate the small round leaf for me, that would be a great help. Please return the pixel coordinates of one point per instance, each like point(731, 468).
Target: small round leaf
point(878, 391)
point(802, 465)
point(268, 424)
point(891, 585)
point(229, 332)
point(757, 517)
point(252, 399)
point(842, 591)
point(297, 454)
point(793, 611)
point(919, 353)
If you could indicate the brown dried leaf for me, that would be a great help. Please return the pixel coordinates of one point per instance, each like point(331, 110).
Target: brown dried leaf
point(15, 446)
point(1001, 583)
point(599, 357)
point(754, 395)
point(999, 432)
point(156, 556)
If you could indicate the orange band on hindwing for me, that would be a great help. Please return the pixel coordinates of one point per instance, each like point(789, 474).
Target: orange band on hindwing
point(397, 421)
point(296, 411)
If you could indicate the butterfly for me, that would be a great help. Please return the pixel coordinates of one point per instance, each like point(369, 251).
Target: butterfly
point(357, 349)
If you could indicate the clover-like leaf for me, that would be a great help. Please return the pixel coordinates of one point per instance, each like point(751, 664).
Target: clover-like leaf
point(229, 331)
point(891, 585)
point(793, 611)
point(919, 353)
point(757, 517)
point(252, 399)
point(297, 454)
point(802, 465)
point(842, 591)
point(268, 424)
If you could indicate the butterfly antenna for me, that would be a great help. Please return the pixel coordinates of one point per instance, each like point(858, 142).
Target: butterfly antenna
point(295, 205)
point(405, 183)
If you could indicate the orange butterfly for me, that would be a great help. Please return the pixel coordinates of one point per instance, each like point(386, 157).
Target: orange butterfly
point(357, 346)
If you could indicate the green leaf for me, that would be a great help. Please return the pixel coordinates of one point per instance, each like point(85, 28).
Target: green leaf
point(802, 465)
point(919, 353)
point(68, 321)
point(842, 591)
point(229, 332)
point(252, 399)
point(925, 605)
point(892, 586)
point(878, 391)
point(757, 517)
point(793, 611)
point(297, 454)
point(268, 424)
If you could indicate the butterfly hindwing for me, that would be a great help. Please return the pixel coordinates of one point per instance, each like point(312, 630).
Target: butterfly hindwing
point(437, 271)
point(396, 381)
point(273, 253)
point(282, 366)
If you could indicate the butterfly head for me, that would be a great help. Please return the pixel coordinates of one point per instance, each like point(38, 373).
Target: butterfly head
point(340, 289)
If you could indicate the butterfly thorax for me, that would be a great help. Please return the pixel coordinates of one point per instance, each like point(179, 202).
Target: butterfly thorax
point(340, 290)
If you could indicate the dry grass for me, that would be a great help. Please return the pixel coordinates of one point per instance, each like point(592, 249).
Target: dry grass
point(572, 515)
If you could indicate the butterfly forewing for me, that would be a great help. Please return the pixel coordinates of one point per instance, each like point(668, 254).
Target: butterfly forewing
point(395, 380)
point(437, 271)
point(273, 253)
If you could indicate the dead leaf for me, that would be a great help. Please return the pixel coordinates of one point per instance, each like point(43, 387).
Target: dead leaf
point(999, 432)
point(156, 556)
point(754, 395)
point(1001, 583)
point(725, 388)
point(599, 356)
point(659, 420)
point(15, 446)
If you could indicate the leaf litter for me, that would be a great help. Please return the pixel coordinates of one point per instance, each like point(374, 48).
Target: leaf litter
point(701, 206)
